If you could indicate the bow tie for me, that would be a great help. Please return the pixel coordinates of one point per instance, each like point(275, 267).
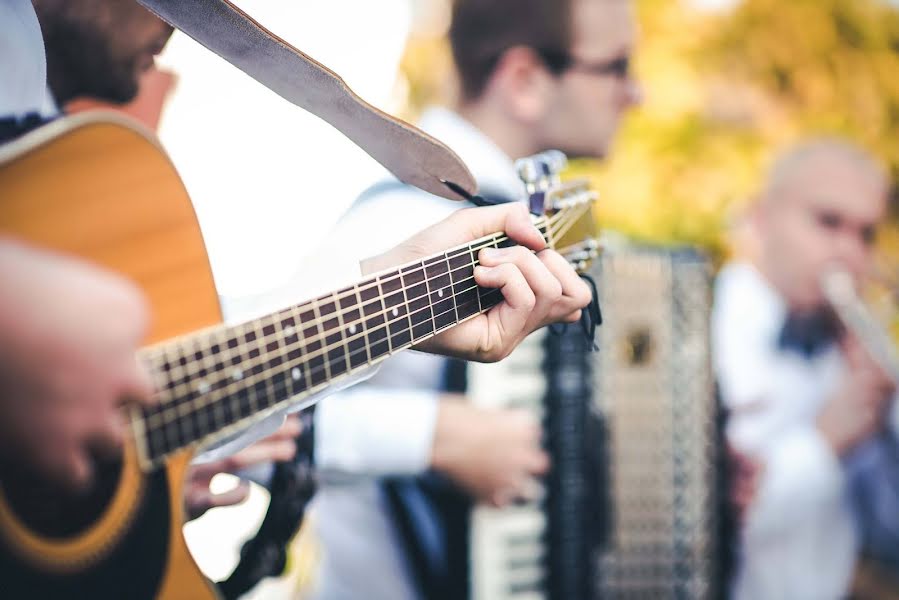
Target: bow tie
point(808, 334)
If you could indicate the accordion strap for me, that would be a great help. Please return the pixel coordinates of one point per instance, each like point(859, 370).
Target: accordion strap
point(410, 154)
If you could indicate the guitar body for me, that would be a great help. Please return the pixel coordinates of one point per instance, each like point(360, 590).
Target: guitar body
point(98, 187)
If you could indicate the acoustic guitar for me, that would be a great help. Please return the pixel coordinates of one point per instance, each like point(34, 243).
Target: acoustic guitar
point(98, 186)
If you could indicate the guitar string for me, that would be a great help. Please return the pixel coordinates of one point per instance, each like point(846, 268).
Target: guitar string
point(276, 389)
point(259, 413)
point(159, 351)
point(178, 385)
point(188, 371)
point(264, 358)
point(395, 275)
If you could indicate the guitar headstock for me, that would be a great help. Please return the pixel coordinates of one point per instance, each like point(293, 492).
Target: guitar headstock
point(565, 209)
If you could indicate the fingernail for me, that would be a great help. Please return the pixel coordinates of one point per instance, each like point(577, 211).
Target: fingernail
point(491, 253)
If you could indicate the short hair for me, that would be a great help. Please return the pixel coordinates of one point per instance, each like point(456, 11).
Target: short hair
point(785, 166)
point(481, 31)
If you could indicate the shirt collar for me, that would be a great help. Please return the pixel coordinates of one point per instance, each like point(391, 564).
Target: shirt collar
point(745, 282)
point(23, 64)
point(491, 167)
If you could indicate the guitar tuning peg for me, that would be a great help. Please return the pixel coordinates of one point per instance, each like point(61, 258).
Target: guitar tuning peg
point(529, 170)
point(555, 161)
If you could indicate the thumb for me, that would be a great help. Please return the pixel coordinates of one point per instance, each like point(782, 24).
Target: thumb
point(512, 218)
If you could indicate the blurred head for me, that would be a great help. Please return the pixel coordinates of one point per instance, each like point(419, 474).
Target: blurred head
point(820, 209)
point(98, 48)
point(557, 69)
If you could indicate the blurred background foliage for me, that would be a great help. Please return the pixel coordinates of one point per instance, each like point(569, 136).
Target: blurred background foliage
point(724, 92)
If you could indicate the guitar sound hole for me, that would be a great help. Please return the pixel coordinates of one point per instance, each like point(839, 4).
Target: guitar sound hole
point(54, 513)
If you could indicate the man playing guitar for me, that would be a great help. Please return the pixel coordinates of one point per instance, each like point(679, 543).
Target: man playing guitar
point(94, 360)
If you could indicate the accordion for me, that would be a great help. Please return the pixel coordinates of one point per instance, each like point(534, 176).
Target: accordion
point(630, 506)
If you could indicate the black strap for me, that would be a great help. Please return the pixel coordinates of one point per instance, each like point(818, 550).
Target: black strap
point(452, 506)
point(394, 185)
point(483, 199)
point(14, 127)
point(591, 317)
point(292, 487)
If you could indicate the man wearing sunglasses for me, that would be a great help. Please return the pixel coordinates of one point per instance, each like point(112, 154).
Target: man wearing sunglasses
point(533, 75)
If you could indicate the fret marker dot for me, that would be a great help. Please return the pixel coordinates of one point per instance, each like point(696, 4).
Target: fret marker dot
point(288, 331)
point(203, 387)
point(352, 329)
point(395, 312)
point(295, 373)
point(237, 374)
point(440, 293)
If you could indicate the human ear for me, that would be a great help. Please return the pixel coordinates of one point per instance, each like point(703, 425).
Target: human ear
point(524, 83)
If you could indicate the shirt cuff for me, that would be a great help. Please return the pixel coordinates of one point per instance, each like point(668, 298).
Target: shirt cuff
point(375, 432)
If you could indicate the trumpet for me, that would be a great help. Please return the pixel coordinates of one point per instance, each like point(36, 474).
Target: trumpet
point(840, 291)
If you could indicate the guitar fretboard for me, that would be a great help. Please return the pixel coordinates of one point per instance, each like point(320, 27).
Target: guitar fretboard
point(219, 380)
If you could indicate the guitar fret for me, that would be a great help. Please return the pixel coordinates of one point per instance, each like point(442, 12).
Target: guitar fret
point(335, 355)
point(395, 308)
point(272, 347)
point(430, 296)
point(358, 347)
point(313, 345)
point(442, 302)
point(230, 402)
point(214, 416)
point(214, 381)
point(291, 340)
point(421, 317)
point(377, 335)
point(255, 352)
point(490, 297)
point(461, 264)
point(186, 399)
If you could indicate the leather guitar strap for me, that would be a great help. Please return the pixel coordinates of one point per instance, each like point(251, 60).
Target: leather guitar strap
point(410, 154)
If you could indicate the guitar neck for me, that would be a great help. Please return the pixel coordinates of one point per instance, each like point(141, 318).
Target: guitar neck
point(220, 380)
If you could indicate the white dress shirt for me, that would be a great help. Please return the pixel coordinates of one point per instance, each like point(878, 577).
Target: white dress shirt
point(386, 426)
point(23, 64)
point(800, 538)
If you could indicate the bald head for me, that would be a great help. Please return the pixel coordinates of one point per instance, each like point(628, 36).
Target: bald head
point(820, 209)
point(810, 159)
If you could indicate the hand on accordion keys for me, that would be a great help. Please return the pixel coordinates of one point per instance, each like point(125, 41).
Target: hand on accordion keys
point(494, 454)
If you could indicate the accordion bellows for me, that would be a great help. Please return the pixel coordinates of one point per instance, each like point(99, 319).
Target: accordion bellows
point(630, 508)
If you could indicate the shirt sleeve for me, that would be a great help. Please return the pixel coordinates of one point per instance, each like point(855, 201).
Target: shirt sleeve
point(802, 481)
point(371, 431)
point(873, 472)
point(379, 429)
